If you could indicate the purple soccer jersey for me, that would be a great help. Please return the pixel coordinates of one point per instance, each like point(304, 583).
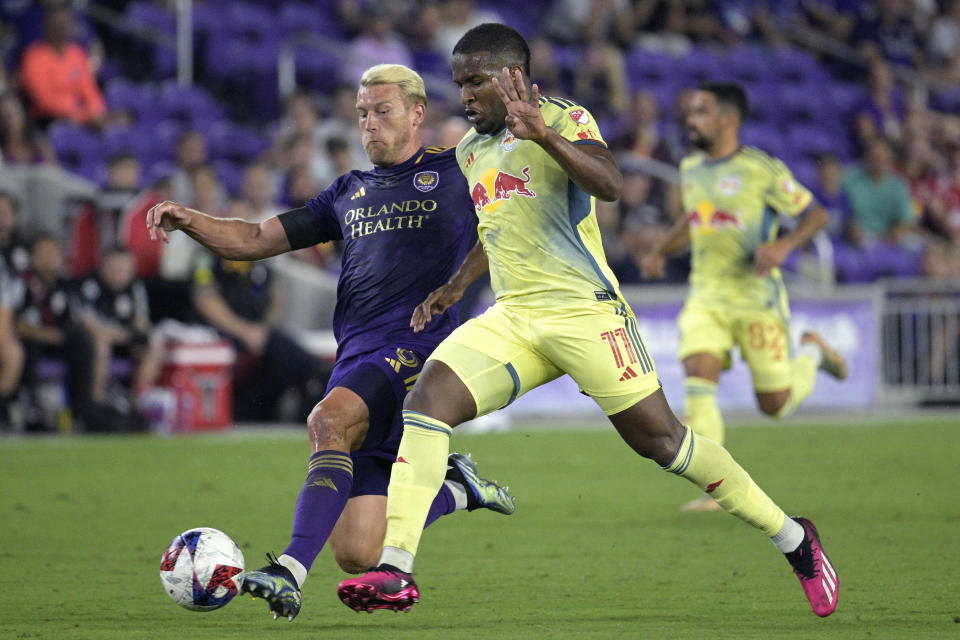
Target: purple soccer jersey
point(406, 229)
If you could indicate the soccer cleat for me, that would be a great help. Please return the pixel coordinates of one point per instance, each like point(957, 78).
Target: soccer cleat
point(275, 584)
point(833, 363)
point(481, 493)
point(817, 575)
point(382, 587)
point(702, 504)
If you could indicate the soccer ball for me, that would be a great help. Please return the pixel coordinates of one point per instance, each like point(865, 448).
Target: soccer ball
point(202, 569)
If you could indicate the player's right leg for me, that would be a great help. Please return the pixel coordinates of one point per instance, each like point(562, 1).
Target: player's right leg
point(335, 424)
point(652, 430)
point(701, 412)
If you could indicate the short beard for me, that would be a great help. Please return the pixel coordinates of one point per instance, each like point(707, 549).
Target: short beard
point(700, 143)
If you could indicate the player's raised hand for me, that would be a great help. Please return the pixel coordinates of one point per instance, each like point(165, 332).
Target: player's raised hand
point(437, 302)
point(164, 217)
point(653, 266)
point(768, 256)
point(523, 116)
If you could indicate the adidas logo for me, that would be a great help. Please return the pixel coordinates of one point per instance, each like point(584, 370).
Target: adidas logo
point(629, 374)
point(359, 194)
point(324, 481)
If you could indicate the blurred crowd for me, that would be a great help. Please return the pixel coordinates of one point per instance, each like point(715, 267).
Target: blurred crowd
point(865, 114)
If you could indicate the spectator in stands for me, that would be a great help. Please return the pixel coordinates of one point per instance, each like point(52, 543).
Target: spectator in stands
point(834, 17)
point(885, 30)
point(881, 231)
point(451, 131)
point(598, 27)
point(20, 143)
point(659, 25)
point(882, 112)
point(13, 249)
point(377, 43)
point(242, 301)
point(942, 45)
point(830, 194)
point(11, 351)
point(943, 203)
point(260, 191)
point(341, 122)
point(133, 229)
point(191, 153)
point(56, 74)
point(456, 18)
point(115, 311)
point(48, 329)
point(123, 183)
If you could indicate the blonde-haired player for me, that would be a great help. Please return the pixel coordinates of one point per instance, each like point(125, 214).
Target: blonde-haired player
point(405, 227)
point(731, 194)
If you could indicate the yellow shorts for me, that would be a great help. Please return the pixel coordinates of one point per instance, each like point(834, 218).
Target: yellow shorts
point(507, 351)
point(761, 334)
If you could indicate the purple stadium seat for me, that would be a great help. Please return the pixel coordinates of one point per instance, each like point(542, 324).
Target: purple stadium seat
point(299, 17)
point(229, 141)
point(249, 20)
point(748, 64)
point(152, 15)
point(795, 65)
point(231, 175)
point(844, 96)
point(188, 104)
point(79, 150)
point(768, 138)
point(645, 67)
point(164, 138)
point(803, 102)
point(813, 139)
point(140, 100)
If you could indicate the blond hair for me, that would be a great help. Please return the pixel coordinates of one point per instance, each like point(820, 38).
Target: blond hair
point(407, 80)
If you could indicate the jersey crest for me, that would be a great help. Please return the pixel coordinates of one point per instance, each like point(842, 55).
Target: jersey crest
point(426, 181)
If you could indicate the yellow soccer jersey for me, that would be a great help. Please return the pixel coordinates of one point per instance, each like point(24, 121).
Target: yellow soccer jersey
point(539, 229)
point(731, 206)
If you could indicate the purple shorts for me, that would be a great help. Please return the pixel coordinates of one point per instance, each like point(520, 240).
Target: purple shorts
point(381, 378)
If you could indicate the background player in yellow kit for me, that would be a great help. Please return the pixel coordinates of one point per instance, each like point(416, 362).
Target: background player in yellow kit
point(731, 195)
point(534, 167)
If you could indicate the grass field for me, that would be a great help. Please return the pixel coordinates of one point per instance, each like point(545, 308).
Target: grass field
point(597, 548)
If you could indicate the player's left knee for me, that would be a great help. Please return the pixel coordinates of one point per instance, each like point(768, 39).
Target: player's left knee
point(774, 404)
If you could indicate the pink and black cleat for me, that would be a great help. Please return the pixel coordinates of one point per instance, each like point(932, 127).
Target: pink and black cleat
point(383, 587)
point(817, 575)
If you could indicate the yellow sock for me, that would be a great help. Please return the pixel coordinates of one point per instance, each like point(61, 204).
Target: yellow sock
point(709, 466)
point(703, 415)
point(804, 369)
point(415, 478)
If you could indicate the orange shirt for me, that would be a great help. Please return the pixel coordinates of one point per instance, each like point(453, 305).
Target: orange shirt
point(61, 85)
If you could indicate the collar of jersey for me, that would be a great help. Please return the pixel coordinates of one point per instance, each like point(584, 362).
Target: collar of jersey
point(713, 161)
point(396, 168)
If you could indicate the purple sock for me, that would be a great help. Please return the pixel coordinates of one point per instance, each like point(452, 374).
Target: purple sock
point(321, 501)
point(443, 504)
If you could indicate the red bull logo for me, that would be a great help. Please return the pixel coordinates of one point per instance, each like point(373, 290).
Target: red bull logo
point(708, 218)
point(501, 185)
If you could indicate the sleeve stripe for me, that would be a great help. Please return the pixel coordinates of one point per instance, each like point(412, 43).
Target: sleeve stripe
point(596, 142)
point(556, 102)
